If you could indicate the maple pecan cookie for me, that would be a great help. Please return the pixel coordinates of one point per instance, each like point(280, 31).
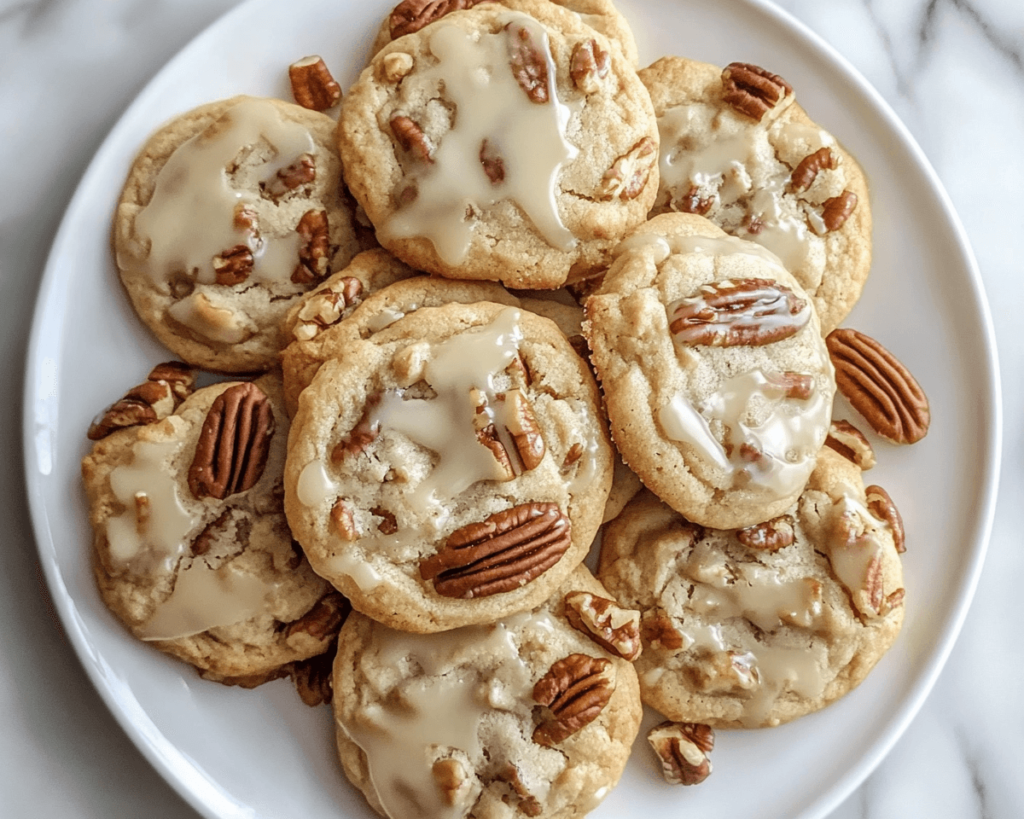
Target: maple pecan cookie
point(737, 148)
point(716, 379)
point(534, 714)
point(450, 469)
point(410, 16)
point(192, 550)
point(758, 626)
point(501, 146)
point(230, 213)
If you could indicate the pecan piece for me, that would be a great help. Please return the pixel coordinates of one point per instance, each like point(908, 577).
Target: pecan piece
point(588, 66)
point(313, 678)
point(233, 443)
point(878, 386)
point(411, 15)
point(658, 631)
point(752, 90)
point(502, 553)
point(745, 312)
point(576, 689)
point(343, 520)
point(301, 172)
point(769, 536)
point(149, 402)
point(692, 202)
point(494, 165)
point(810, 166)
point(850, 442)
point(233, 265)
point(882, 507)
point(412, 139)
point(604, 621)
point(326, 307)
point(628, 175)
point(315, 250)
point(180, 377)
point(835, 211)
point(793, 385)
point(682, 749)
point(313, 86)
point(522, 426)
point(528, 62)
point(323, 619)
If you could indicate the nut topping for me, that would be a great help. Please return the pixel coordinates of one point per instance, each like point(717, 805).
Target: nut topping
point(693, 202)
point(312, 678)
point(529, 66)
point(412, 15)
point(522, 426)
point(835, 211)
point(576, 689)
point(658, 631)
point(612, 627)
point(626, 178)
point(502, 553)
point(752, 90)
point(746, 312)
point(326, 307)
point(411, 138)
point(166, 386)
point(810, 166)
point(312, 84)
point(683, 748)
point(769, 536)
point(323, 619)
point(882, 507)
point(850, 442)
point(396, 65)
point(588, 66)
point(315, 251)
point(233, 443)
point(234, 265)
point(494, 165)
point(878, 386)
point(343, 520)
point(301, 172)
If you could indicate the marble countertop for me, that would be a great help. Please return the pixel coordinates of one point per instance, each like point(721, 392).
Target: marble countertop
point(953, 70)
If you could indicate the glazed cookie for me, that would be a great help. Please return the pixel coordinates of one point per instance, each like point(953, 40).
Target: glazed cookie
point(193, 552)
point(529, 715)
point(500, 146)
point(736, 148)
point(230, 213)
point(410, 16)
point(755, 627)
point(716, 379)
point(451, 469)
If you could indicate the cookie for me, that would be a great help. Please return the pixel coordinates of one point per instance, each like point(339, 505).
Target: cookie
point(755, 627)
point(229, 214)
point(193, 552)
point(450, 469)
point(500, 146)
point(480, 721)
point(738, 149)
point(410, 16)
point(716, 379)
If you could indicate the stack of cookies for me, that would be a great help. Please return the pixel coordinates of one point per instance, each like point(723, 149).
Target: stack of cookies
point(555, 302)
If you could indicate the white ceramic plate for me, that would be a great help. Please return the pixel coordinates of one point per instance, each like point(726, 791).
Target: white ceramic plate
point(264, 754)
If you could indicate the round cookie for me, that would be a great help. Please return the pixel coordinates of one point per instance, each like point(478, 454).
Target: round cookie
point(716, 379)
point(194, 555)
point(451, 469)
point(488, 146)
point(410, 16)
point(458, 723)
point(737, 148)
point(752, 628)
point(230, 213)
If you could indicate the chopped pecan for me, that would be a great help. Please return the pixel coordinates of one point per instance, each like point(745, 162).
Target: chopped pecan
point(217, 529)
point(166, 386)
point(682, 749)
point(769, 536)
point(324, 619)
point(576, 689)
point(326, 307)
point(693, 202)
point(301, 172)
point(882, 507)
point(522, 426)
point(589, 65)
point(488, 436)
point(528, 805)
point(752, 90)
point(850, 442)
point(494, 165)
point(835, 211)
point(313, 678)
point(412, 139)
point(411, 15)
point(343, 520)
point(457, 787)
point(529, 64)
point(793, 385)
point(628, 175)
point(246, 219)
point(658, 631)
point(233, 265)
point(574, 454)
point(878, 386)
point(233, 444)
point(396, 65)
point(180, 377)
point(315, 250)
point(389, 523)
point(605, 622)
point(362, 435)
point(810, 166)
point(313, 86)
point(745, 312)
point(502, 553)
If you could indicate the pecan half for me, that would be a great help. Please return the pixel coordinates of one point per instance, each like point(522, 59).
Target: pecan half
point(411, 15)
point(745, 312)
point(588, 66)
point(528, 62)
point(522, 426)
point(628, 175)
point(411, 138)
point(882, 507)
point(233, 265)
point(494, 165)
point(752, 90)
point(810, 166)
point(313, 86)
point(576, 689)
point(769, 536)
point(315, 250)
point(835, 211)
point(233, 443)
point(878, 386)
point(682, 749)
point(604, 621)
point(502, 553)
point(850, 442)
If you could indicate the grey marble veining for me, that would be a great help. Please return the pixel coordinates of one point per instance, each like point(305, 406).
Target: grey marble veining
point(953, 70)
